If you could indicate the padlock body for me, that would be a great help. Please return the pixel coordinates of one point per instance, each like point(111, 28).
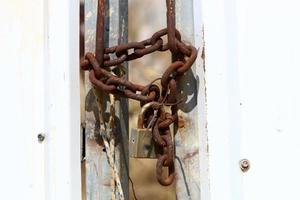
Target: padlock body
point(141, 144)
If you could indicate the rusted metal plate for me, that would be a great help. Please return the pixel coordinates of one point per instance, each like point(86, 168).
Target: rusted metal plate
point(98, 174)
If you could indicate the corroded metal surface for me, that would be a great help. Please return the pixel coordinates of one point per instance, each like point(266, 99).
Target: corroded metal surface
point(97, 169)
point(187, 145)
point(108, 80)
point(189, 150)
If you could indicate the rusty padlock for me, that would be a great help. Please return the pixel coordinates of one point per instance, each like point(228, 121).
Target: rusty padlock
point(141, 144)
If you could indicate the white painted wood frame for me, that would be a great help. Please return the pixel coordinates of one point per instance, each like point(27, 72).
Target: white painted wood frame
point(40, 94)
point(252, 73)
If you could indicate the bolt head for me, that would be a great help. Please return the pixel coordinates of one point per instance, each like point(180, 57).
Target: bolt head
point(41, 137)
point(244, 165)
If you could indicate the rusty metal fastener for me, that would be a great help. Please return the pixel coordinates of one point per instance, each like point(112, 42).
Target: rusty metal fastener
point(244, 165)
point(41, 137)
point(171, 171)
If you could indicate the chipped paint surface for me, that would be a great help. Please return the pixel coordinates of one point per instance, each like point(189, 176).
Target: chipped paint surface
point(97, 169)
point(191, 142)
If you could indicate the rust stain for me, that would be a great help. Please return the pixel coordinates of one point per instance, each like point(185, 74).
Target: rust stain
point(181, 121)
point(190, 155)
point(183, 126)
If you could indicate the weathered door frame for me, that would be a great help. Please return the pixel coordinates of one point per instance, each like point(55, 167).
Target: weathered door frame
point(193, 148)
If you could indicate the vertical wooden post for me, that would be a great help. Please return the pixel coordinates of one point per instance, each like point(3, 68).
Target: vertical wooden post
point(97, 169)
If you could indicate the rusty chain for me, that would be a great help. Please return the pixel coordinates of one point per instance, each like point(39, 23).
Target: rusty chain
point(101, 76)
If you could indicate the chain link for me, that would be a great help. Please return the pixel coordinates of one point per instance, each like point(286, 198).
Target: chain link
point(183, 57)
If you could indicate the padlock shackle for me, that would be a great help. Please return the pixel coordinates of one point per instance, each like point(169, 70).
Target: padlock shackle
point(145, 108)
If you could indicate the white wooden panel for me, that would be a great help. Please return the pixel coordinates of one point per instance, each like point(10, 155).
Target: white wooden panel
point(253, 98)
point(22, 49)
point(62, 100)
point(269, 47)
point(223, 116)
point(40, 94)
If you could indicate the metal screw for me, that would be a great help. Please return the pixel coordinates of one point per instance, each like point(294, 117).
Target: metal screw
point(41, 137)
point(244, 165)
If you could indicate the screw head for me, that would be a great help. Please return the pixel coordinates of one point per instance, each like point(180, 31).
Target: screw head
point(41, 137)
point(244, 165)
